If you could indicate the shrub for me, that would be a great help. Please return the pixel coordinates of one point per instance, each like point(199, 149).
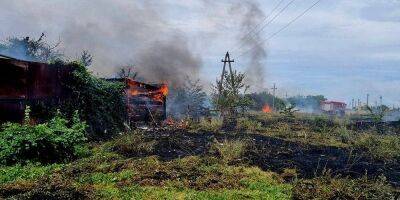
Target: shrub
point(48, 142)
point(102, 103)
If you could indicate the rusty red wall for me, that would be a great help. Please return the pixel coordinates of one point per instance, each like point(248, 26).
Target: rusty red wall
point(23, 82)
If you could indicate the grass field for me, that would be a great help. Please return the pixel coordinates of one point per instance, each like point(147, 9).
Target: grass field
point(267, 157)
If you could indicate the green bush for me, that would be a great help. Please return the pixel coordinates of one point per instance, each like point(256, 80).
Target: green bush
point(101, 102)
point(48, 142)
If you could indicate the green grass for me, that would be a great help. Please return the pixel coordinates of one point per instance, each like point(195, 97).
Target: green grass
point(252, 184)
point(121, 169)
point(28, 172)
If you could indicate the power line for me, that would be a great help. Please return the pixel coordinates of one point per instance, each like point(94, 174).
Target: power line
point(283, 28)
point(268, 22)
point(259, 24)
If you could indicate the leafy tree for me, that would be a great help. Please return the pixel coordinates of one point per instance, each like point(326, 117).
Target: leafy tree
point(263, 98)
point(188, 100)
point(30, 49)
point(229, 97)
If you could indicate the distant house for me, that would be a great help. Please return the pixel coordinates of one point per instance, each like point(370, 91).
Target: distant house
point(333, 107)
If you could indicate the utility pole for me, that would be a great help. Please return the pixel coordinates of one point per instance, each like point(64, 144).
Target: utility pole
point(225, 61)
point(273, 96)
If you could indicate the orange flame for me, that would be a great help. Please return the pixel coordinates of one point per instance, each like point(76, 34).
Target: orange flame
point(137, 88)
point(266, 109)
point(164, 89)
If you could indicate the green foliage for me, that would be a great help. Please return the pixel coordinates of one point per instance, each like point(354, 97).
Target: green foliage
point(48, 142)
point(25, 173)
point(102, 103)
point(229, 97)
point(259, 100)
point(385, 147)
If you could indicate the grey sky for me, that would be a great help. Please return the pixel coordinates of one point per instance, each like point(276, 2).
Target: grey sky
point(342, 49)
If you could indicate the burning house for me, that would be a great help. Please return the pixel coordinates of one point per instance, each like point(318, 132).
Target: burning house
point(333, 107)
point(144, 102)
point(24, 82)
point(32, 83)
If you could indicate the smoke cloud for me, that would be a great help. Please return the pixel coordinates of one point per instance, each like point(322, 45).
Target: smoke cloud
point(251, 40)
point(116, 33)
point(140, 33)
point(169, 60)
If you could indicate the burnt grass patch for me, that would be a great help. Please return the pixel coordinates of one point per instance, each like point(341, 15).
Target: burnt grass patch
point(275, 154)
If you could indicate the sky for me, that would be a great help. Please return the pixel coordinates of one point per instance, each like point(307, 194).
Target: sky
point(342, 49)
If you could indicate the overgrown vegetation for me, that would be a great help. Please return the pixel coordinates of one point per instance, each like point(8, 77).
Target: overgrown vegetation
point(57, 140)
point(101, 102)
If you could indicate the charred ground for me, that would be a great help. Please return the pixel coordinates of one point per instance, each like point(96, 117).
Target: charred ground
point(266, 157)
